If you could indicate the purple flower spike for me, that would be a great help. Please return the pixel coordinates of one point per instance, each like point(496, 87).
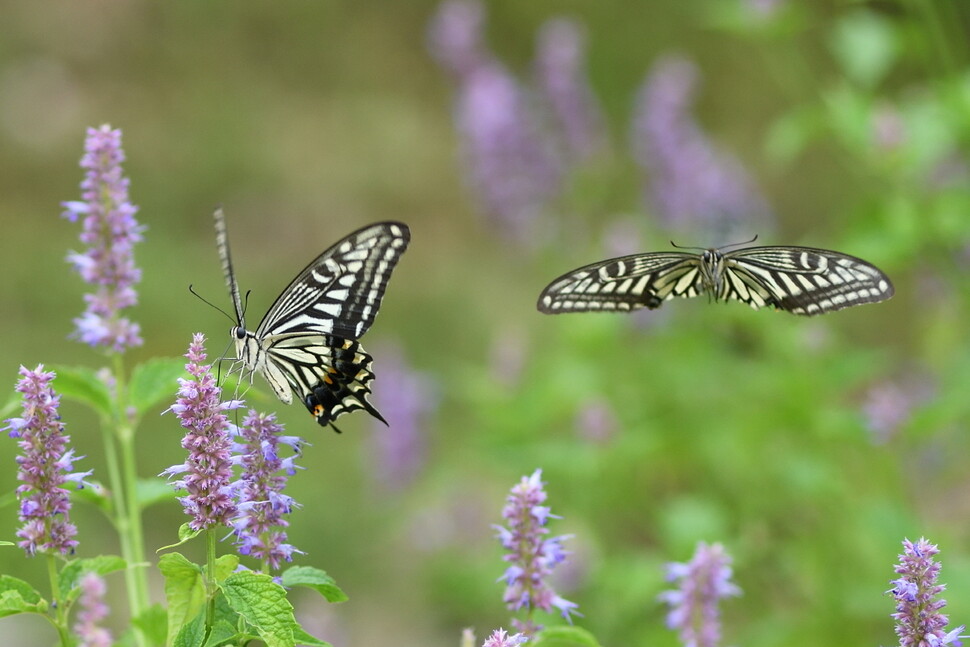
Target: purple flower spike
point(509, 164)
point(694, 185)
point(565, 87)
point(532, 557)
point(701, 583)
point(500, 638)
point(44, 467)
point(918, 621)
point(208, 469)
point(92, 611)
point(110, 232)
point(262, 504)
point(399, 451)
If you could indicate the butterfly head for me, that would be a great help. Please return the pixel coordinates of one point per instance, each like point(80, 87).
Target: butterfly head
point(711, 271)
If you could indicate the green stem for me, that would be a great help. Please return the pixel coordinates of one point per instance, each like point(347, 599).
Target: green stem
point(210, 579)
point(132, 536)
point(60, 606)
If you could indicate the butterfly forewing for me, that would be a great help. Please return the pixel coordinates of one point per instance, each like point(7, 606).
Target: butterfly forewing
point(809, 281)
point(626, 283)
point(800, 280)
point(308, 340)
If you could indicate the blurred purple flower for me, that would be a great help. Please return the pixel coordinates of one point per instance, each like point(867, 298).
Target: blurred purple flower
point(918, 623)
point(889, 405)
point(44, 467)
point(508, 163)
point(563, 84)
point(701, 583)
point(91, 612)
point(400, 447)
point(110, 231)
point(261, 502)
point(596, 421)
point(693, 185)
point(765, 8)
point(208, 469)
point(500, 638)
point(532, 558)
point(456, 38)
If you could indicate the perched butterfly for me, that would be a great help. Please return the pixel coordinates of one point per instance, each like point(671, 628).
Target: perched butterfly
point(307, 342)
point(800, 280)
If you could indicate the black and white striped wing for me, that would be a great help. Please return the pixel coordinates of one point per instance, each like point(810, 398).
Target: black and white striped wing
point(340, 291)
point(625, 283)
point(802, 280)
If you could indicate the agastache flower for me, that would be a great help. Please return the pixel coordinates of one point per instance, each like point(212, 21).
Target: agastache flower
point(693, 184)
point(563, 84)
point(509, 164)
point(110, 231)
point(500, 638)
point(208, 469)
point(92, 611)
point(701, 583)
point(399, 451)
point(262, 504)
point(44, 467)
point(532, 557)
point(918, 621)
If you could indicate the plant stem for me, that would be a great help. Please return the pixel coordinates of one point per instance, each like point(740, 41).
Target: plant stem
point(60, 608)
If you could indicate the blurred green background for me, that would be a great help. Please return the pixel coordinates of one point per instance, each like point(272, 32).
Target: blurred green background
point(696, 422)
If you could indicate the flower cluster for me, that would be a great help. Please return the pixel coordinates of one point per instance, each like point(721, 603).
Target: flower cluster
point(532, 557)
point(208, 469)
point(693, 185)
point(262, 504)
point(44, 467)
point(500, 638)
point(701, 583)
point(92, 612)
point(918, 621)
point(110, 231)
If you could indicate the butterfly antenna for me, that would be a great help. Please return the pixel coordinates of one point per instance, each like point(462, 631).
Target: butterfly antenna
point(209, 303)
point(747, 242)
point(722, 247)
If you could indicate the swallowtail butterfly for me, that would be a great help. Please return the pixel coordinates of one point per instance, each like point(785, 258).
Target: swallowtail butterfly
point(800, 280)
point(307, 342)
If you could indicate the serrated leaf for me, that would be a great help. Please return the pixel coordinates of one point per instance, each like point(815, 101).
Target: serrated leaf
point(263, 604)
point(152, 491)
point(563, 636)
point(82, 384)
point(155, 381)
point(184, 590)
point(191, 634)
point(314, 578)
point(153, 624)
point(70, 576)
point(225, 633)
point(303, 638)
point(17, 596)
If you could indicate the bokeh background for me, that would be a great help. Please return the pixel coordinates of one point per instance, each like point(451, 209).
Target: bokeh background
point(520, 140)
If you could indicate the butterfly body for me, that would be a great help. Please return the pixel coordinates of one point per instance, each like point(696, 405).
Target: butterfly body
point(307, 343)
point(801, 280)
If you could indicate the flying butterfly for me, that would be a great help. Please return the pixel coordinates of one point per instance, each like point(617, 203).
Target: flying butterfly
point(801, 280)
point(307, 343)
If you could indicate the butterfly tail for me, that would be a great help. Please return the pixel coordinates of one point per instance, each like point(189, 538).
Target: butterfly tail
point(345, 385)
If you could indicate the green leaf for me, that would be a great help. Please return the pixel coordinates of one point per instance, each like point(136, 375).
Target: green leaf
point(82, 384)
point(303, 638)
point(155, 381)
point(263, 604)
point(7, 543)
point(184, 590)
point(191, 634)
point(225, 626)
point(70, 576)
point(564, 636)
point(17, 596)
point(153, 624)
point(185, 534)
point(225, 566)
point(866, 45)
point(152, 491)
point(315, 579)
